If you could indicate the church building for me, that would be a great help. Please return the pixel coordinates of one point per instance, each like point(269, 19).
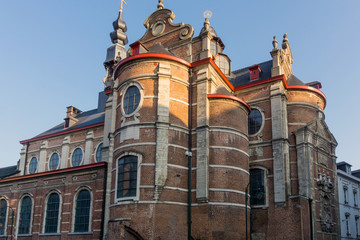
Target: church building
point(181, 146)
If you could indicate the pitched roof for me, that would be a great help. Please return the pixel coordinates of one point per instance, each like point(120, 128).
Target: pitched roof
point(8, 171)
point(242, 76)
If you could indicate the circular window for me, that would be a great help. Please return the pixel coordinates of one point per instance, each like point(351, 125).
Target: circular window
point(158, 28)
point(33, 165)
point(255, 121)
point(77, 157)
point(99, 153)
point(131, 100)
point(54, 161)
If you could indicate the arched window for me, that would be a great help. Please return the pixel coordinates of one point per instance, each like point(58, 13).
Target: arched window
point(77, 157)
point(255, 121)
point(3, 215)
point(99, 153)
point(257, 187)
point(25, 215)
point(33, 165)
point(82, 211)
point(223, 63)
point(127, 177)
point(54, 161)
point(52, 213)
point(131, 100)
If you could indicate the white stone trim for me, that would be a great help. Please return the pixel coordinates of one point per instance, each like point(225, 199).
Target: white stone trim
point(123, 93)
point(179, 101)
point(179, 189)
point(178, 146)
point(226, 190)
point(230, 167)
point(261, 110)
point(147, 164)
point(228, 130)
point(261, 160)
point(178, 166)
point(230, 148)
point(135, 144)
point(228, 204)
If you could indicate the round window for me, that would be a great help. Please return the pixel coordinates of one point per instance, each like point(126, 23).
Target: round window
point(99, 153)
point(255, 121)
point(131, 100)
point(77, 157)
point(54, 161)
point(33, 165)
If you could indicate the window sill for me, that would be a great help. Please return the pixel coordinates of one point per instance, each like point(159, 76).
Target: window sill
point(126, 199)
point(24, 235)
point(80, 233)
point(49, 234)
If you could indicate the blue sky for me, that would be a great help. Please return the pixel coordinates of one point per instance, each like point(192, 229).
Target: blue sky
point(52, 53)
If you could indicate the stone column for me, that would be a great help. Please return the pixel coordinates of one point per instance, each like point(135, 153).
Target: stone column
point(23, 159)
point(42, 157)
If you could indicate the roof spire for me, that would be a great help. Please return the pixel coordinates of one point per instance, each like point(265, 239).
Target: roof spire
point(118, 35)
point(160, 5)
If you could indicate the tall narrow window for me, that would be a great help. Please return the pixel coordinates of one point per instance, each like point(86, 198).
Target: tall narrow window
point(99, 153)
point(355, 198)
point(33, 165)
point(347, 219)
point(25, 215)
point(127, 177)
point(357, 226)
point(82, 211)
point(257, 187)
point(3, 214)
point(52, 213)
point(345, 195)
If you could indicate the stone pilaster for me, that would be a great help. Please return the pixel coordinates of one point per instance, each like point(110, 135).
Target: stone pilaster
point(23, 159)
point(88, 147)
point(42, 157)
point(202, 131)
point(280, 143)
point(162, 128)
point(65, 152)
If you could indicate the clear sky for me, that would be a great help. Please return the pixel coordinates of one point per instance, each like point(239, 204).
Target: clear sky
point(52, 53)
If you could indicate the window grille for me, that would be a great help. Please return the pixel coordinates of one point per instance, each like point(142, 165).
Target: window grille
point(127, 177)
point(257, 188)
point(82, 211)
point(3, 214)
point(25, 215)
point(52, 213)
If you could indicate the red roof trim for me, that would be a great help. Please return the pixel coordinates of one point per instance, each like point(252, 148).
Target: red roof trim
point(61, 133)
point(152, 55)
point(280, 77)
point(66, 170)
point(209, 60)
point(229, 97)
point(308, 88)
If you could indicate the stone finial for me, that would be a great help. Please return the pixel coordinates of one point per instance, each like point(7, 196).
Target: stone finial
point(206, 24)
point(274, 43)
point(160, 5)
point(285, 42)
point(121, 4)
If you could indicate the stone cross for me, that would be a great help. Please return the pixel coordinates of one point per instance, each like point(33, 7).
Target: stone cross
point(121, 4)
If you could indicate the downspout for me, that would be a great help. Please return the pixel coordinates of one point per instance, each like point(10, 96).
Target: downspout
point(311, 224)
point(103, 207)
point(189, 155)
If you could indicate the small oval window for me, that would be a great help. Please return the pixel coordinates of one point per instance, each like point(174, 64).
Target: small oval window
point(254, 121)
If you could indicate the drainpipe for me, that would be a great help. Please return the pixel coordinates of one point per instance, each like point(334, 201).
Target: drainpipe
point(311, 219)
point(246, 200)
point(189, 155)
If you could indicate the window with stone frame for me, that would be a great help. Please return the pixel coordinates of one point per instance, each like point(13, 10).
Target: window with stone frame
point(131, 100)
point(25, 215)
point(127, 177)
point(52, 213)
point(257, 187)
point(98, 156)
point(347, 221)
point(82, 211)
point(346, 200)
point(355, 198)
point(357, 226)
point(3, 215)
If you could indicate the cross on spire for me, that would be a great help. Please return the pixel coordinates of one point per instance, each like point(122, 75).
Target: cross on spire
point(121, 4)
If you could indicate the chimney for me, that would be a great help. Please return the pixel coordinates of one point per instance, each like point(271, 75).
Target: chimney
point(255, 71)
point(71, 114)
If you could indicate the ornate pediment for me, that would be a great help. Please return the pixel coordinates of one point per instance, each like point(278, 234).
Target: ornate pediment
point(161, 29)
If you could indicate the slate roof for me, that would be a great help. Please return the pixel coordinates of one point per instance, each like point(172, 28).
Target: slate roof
point(8, 171)
point(85, 119)
point(242, 76)
point(159, 48)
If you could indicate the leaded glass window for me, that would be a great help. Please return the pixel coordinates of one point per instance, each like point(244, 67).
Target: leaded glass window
point(257, 187)
point(52, 213)
point(25, 215)
point(77, 157)
point(223, 63)
point(131, 100)
point(99, 153)
point(82, 211)
point(127, 177)
point(33, 165)
point(54, 161)
point(3, 213)
point(254, 121)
